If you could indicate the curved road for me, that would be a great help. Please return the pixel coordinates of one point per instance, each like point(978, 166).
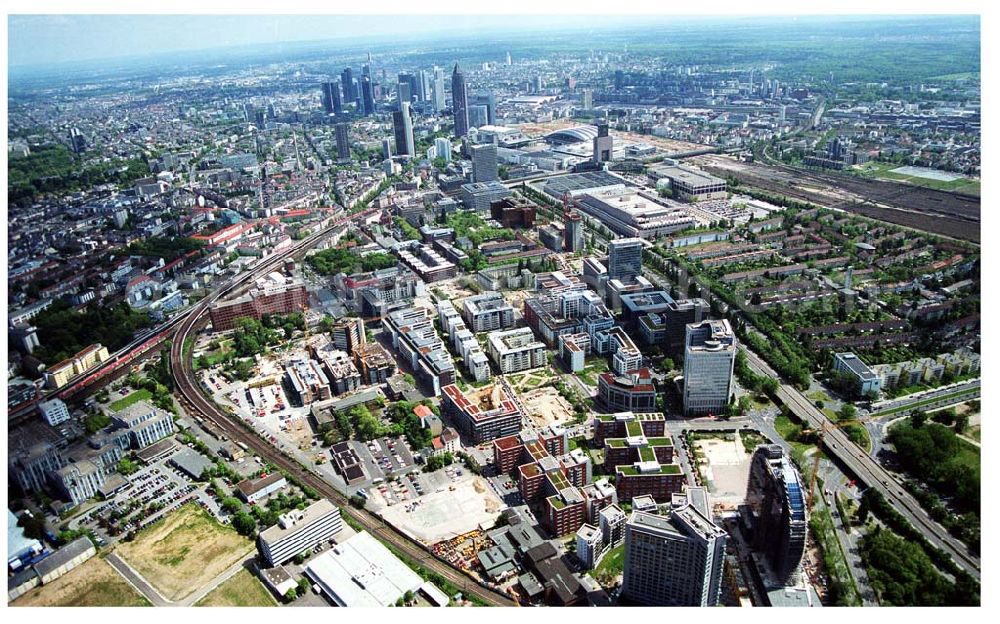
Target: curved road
point(196, 402)
point(869, 470)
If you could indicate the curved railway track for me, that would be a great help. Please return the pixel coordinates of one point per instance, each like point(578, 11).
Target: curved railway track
point(196, 402)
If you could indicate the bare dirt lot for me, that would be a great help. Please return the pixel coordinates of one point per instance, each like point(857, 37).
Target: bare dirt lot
point(726, 468)
point(93, 584)
point(184, 552)
point(546, 406)
point(445, 514)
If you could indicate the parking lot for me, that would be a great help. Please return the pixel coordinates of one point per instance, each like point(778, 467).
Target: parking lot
point(152, 492)
point(389, 457)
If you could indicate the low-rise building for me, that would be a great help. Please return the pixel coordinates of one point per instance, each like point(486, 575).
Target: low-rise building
point(632, 392)
point(255, 490)
point(865, 380)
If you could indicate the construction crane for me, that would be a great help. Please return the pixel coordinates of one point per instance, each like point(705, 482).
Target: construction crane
point(826, 428)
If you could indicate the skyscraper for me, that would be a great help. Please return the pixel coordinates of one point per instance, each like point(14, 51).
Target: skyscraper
point(588, 99)
point(619, 79)
point(386, 148)
point(674, 557)
point(604, 144)
point(491, 108)
point(459, 102)
point(343, 143)
point(478, 115)
point(347, 82)
point(402, 126)
point(442, 148)
point(509, 60)
point(775, 521)
point(573, 232)
point(625, 258)
point(403, 89)
point(331, 98)
point(424, 83)
point(709, 356)
point(439, 95)
point(367, 97)
point(484, 163)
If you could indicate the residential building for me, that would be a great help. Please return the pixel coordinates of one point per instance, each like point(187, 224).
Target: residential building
point(483, 414)
point(274, 293)
point(425, 262)
point(348, 333)
point(709, 357)
point(415, 339)
point(375, 364)
point(516, 350)
point(54, 411)
point(343, 141)
point(58, 375)
point(298, 531)
point(488, 311)
point(675, 557)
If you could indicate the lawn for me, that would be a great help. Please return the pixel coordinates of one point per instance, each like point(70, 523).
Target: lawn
point(612, 565)
point(884, 171)
point(93, 584)
point(135, 397)
point(242, 590)
point(185, 551)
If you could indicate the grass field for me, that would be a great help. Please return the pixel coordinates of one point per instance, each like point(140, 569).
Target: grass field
point(135, 397)
point(884, 171)
point(184, 552)
point(612, 564)
point(242, 590)
point(93, 584)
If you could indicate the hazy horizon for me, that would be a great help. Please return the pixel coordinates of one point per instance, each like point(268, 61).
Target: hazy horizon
point(37, 41)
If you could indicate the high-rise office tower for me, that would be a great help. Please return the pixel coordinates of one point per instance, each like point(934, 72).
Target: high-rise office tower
point(491, 108)
point(403, 89)
point(424, 84)
point(588, 99)
point(775, 522)
point(484, 163)
point(537, 84)
point(402, 126)
point(478, 115)
point(674, 557)
point(331, 98)
point(347, 82)
point(386, 149)
point(438, 87)
point(509, 60)
point(366, 70)
point(459, 102)
point(367, 97)
point(709, 356)
point(625, 258)
point(343, 142)
point(619, 79)
point(442, 148)
point(77, 142)
point(573, 231)
point(604, 144)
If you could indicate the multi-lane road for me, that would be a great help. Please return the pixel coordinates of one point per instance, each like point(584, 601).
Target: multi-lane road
point(868, 470)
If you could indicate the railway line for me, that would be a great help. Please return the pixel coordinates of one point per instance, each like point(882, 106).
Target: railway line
point(196, 402)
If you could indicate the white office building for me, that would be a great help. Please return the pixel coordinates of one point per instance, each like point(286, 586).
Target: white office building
point(54, 411)
point(709, 356)
point(298, 531)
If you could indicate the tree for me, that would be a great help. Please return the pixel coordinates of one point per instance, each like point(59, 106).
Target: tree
point(244, 523)
point(291, 594)
point(918, 418)
point(303, 586)
point(962, 422)
point(231, 505)
point(847, 412)
point(667, 364)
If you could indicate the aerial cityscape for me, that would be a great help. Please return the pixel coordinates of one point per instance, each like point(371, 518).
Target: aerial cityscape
point(665, 311)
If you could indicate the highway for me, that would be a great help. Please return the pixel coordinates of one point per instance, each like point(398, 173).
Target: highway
point(868, 470)
point(197, 403)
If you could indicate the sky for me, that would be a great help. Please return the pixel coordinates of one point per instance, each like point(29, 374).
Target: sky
point(48, 39)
